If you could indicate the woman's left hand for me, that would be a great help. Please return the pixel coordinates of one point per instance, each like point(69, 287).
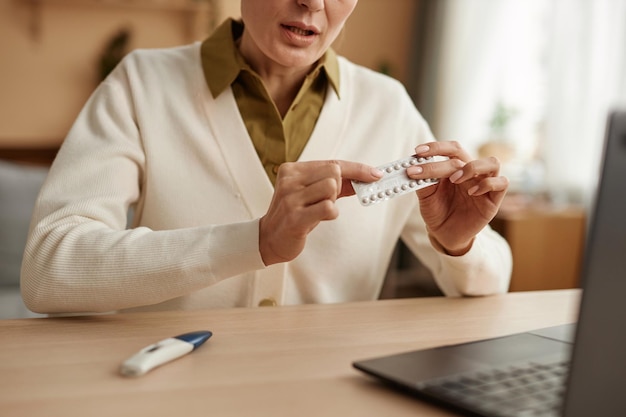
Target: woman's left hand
point(465, 200)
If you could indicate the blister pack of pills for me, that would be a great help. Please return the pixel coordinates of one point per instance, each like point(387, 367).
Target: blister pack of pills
point(394, 181)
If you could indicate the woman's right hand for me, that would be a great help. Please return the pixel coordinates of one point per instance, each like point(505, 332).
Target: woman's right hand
point(305, 194)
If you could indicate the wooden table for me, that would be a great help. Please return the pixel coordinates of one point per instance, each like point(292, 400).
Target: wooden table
point(272, 361)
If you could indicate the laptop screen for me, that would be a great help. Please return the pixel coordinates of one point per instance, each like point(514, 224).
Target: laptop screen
point(598, 370)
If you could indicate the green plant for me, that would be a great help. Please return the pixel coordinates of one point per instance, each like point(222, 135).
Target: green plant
point(502, 116)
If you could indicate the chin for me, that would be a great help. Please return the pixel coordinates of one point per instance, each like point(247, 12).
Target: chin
point(297, 60)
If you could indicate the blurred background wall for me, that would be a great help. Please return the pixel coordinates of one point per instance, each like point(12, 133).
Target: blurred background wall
point(529, 81)
point(50, 50)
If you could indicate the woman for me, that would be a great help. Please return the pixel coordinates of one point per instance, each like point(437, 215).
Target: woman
point(235, 156)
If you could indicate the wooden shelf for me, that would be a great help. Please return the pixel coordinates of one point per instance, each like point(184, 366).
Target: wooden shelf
point(173, 5)
point(198, 13)
point(547, 246)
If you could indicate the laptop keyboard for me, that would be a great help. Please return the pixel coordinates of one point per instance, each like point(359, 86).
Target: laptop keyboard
point(529, 389)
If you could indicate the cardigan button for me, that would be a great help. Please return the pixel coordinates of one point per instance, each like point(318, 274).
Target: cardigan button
point(268, 302)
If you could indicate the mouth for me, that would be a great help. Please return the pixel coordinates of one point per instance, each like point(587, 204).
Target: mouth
point(299, 31)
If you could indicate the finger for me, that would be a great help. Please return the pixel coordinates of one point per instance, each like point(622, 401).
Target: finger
point(356, 171)
point(489, 166)
point(439, 169)
point(303, 174)
point(295, 175)
point(307, 173)
point(324, 189)
point(309, 210)
point(323, 210)
point(451, 149)
point(488, 185)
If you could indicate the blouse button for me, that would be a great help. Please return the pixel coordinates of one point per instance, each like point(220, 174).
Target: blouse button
point(267, 302)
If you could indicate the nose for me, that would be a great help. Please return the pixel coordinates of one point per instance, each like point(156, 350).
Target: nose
point(312, 5)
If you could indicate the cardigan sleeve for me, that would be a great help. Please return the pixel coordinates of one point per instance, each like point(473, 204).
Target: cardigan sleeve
point(485, 269)
point(80, 256)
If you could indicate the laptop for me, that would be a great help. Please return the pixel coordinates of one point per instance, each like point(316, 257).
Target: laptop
point(575, 370)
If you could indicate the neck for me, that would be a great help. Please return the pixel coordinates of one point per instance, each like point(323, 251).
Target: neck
point(282, 89)
point(282, 82)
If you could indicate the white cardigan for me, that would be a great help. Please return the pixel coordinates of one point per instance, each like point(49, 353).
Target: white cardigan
point(153, 138)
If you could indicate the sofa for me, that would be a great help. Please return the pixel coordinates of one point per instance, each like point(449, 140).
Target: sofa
point(19, 187)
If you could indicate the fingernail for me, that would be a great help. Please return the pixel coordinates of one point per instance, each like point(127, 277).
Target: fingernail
point(377, 173)
point(421, 149)
point(415, 170)
point(472, 190)
point(454, 177)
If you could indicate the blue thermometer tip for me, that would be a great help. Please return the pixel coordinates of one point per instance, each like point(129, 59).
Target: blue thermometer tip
point(195, 338)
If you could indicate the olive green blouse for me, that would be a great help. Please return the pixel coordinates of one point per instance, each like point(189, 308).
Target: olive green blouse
point(276, 139)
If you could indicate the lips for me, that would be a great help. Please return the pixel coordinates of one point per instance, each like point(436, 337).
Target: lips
point(299, 31)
